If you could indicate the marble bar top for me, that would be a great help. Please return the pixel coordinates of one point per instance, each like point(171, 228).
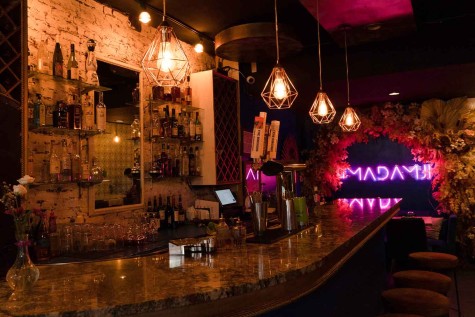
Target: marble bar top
point(234, 282)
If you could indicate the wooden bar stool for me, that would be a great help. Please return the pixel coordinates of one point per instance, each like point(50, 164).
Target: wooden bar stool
point(438, 262)
point(432, 281)
point(416, 301)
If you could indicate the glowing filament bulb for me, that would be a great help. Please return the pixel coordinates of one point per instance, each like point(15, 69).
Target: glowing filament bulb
point(116, 139)
point(166, 61)
point(322, 108)
point(280, 90)
point(349, 120)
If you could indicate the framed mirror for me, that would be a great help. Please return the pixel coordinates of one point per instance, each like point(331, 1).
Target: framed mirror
point(118, 151)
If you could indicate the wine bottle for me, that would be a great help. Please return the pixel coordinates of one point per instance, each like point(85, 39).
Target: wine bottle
point(54, 165)
point(161, 211)
point(188, 92)
point(75, 113)
point(42, 245)
point(199, 128)
point(61, 115)
point(185, 163)
point(57, 59)
point(39, 112)
point(101, 114)
point(65, 174)
point(176, 213)
point(73, 66)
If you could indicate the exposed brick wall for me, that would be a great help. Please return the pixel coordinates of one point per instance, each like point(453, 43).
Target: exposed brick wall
point(76, 21)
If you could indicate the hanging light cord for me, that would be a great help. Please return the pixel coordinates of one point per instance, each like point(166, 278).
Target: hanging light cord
point(319, 53)
point(164, 11)
point(276, 31)
point(347, 77)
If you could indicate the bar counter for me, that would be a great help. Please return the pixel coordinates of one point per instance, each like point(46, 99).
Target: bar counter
point(238, 282)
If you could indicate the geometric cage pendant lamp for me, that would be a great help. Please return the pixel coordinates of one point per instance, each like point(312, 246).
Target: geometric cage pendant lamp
point(279, 92)
point(349, 121)
point(322, 110)
point(165, 62)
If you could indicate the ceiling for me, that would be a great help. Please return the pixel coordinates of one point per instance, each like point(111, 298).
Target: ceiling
point(420, 48)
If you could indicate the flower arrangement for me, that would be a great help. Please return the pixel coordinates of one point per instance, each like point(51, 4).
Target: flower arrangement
point(14, 200)
point(437, 132)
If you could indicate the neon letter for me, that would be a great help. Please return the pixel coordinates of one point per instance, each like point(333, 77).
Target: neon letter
point(357, 171)
point(396, 169)
point(386, 175)
point(369, 171)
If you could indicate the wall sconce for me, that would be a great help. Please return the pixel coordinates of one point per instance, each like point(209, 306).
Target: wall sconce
point(199, 47)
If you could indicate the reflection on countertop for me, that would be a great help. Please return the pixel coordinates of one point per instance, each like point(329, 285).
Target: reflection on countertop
point(159, 282)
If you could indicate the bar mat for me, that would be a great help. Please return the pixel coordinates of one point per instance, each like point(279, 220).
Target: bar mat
point(274, 235)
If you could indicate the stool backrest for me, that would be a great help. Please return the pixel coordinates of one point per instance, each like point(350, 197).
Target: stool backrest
point(404, 236)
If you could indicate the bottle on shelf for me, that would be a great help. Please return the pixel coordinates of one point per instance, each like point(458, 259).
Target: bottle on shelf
point(72, 66)
point(161, 212)
point(174, 124)
point(188, 91)
point(164, 160)
point(54, 165)
point(42, 245)
point(49, 114)
point(39, 112)
point(177, 158)
point(61, 115)
point(197, 161)
point(101, 114)
point(75, 113)
point(170, 214)
point(76, 167)
point(155, 125)
point(31, 112)
point(176, 213)
point(199, 128)
point(186, 125)
point(191, 162)
point(44, 63)
point(176, 95)
point(87, 113)
point(192, 129)
point(167, 124)
point(135, 128)
point(185, 163)
point(96, 173)
point(181, 128)
point(85, 169)
point(57, 59)
point(181, 210)
point(91, 63)
point(65, 174)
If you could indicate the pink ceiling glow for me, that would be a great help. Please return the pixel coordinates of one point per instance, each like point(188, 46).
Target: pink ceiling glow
point(356, 13)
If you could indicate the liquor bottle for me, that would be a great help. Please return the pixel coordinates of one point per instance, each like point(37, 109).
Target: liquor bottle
point(188, 92)
point(170, 215)
point(87, 113)
point(75, 113)
point(181, 128)
point(155, 207)
point(155, 125)
point(174, 123)
point(61, 115)
point(31, 112)
point(96, 174)
point(49, 115)
point(73, 66)
point(199, 128)
point(167, 123)
point(101, 114)
point(177, 157)
point(39, 112)
point(76, 167)
point(54, 165)
point(181, 211)
point(186, 125)
point(135, 128)
point(91, 64)
point(197, 162)
point(185, 163)
point(65, 174)
point(44, 64)
point(42, 245)
point(192, 162)
point(85, 169)
point(164, 160)
point(57, 59)
point(176, 214)
point(169, 163)
point(161, 212)
point(149, 206)
point(192, 129)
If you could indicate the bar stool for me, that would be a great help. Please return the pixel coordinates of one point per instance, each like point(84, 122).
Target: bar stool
point(432, 281)
point(416, 301)
point(438, 262)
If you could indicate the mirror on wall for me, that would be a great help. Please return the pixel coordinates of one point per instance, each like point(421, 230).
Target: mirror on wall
point(117, 152)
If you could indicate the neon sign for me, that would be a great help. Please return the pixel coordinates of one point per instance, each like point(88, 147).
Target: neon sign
point(382, 203)
point(383, 173)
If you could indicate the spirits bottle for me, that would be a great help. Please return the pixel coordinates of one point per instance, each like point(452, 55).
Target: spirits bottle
point(181, 211)
point(186, 125)
point(155, 125)
point(73, 66)
point(65, 174)
point(167, 123)
point(91, 63)
point(185, 163)
point(96, 173)
point(181, 128)
point(197, 162)
point(192, 162)
point(31, 112)
point(170, 215)
point(75, 164)
point(199, 128)
point(135, 126)
point(176, 213)
point(75, 113)
point(54, 165)
point(164, 160)
point(188, 92)
point(87, 113)
point(61, 115)
point(161, 211)
point(85, 169)
point(101, 114)
point(42, 246)
point(44, 64)
point(57, 59)
point(192, 129)
point(39, 112)
point(174, 123)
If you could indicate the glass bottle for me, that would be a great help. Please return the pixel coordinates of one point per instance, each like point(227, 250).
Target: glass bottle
point(75, 113)
point(199, 128)
point(42, 246)
point(192, 162)
point(192, 129)
point(54, 165)
point(73, 66)
point(91, 63)
point(188, 92)
point(85, 170)
point(167, 125)
point(155, 125)
point(44, 63)
point(65, 174)
point(57, 59)
point(176, 213)
point(174, 123)
point(101, 114)
point(185, 163)
point(39, 112)
point(87, 113)
point(181, 211)
point(161, 211)
point(197, 162)
point(61, 115)
point(31, 112)
point(135, 128)
point(186, 125)
point(75, 164)
point(164, 160)
point(96, 174)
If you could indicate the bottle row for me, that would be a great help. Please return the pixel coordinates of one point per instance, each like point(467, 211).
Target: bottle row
point(71, 115)
point(174, 161)
point(171, 213)
point(173, 94)
point(183, 125)
point(64, 167)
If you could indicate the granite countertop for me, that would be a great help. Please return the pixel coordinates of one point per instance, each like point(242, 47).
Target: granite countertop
point(162, 283)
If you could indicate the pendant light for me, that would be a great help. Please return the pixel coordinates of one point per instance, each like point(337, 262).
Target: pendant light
point(279, 92)
point(349, 121)
point(165, 62)
point(322, 110)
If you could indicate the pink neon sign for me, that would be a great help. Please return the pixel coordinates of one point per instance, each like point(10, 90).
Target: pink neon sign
point(383, 173)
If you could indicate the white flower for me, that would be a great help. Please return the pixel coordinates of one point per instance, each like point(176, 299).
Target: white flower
point(25, 180)
point(19, 190)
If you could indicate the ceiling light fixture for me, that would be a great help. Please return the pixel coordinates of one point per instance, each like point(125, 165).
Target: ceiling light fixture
point(322, 110)
point(349, 121)
point(279, 92)
point(165, 62)
point(394, 93)
point(145, 17)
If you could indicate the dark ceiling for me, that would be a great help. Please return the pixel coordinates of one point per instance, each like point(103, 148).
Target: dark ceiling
point(421, 48)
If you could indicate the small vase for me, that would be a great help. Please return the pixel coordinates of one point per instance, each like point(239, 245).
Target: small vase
point(23, 274)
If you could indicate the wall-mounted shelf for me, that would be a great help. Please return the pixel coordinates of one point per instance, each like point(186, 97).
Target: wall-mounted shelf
point(163, 103)
point(50, 130)
point(83, 86)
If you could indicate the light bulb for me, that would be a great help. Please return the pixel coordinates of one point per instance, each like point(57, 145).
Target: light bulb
point(322, 108)
point(199, 48)
point(116, 139)
point(280, 90)
point(145, 17)
point(349, 120)
point(165, 60)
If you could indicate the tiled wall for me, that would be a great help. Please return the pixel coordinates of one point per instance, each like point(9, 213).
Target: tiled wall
point(76, 22)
